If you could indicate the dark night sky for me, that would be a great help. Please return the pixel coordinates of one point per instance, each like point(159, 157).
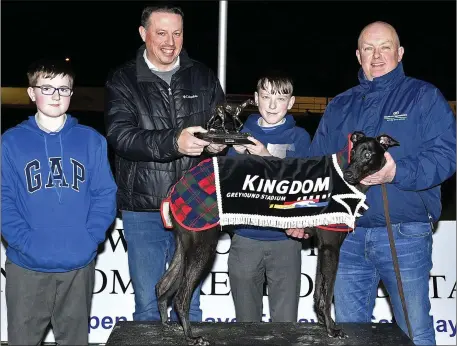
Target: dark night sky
point(314, 41)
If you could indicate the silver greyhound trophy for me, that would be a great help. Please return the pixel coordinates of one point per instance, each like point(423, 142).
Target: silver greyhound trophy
point(224, 125)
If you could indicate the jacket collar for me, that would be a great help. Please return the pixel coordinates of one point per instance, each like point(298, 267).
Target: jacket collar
point(387, 82)
point(144, 74)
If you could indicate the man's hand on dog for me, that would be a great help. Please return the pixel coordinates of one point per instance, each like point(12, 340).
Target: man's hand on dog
point(385, 175)
point(297, 233)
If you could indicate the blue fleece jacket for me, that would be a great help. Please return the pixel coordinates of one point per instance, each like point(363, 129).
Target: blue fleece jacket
point(58, 195)
point(416, 114)
point(285, 140)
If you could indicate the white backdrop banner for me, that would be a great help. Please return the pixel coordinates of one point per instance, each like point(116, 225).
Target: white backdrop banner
point(113, 293)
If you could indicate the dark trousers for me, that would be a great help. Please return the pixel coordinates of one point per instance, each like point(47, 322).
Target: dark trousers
point(249, 262)
point(35, 299)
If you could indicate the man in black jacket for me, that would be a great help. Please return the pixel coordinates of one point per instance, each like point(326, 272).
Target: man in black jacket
point(154, 105)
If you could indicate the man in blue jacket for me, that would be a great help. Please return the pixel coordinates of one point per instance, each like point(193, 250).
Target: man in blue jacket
point(416, 114)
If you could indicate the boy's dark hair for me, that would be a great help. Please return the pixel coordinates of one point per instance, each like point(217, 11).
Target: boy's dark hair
point(276, 82)
point(46, 68)
point(164, 8)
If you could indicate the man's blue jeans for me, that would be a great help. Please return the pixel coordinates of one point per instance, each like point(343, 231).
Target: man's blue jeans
point(365, 258)
point(150, 248)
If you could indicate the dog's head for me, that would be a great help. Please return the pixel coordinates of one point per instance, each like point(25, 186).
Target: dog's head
point(367, 156)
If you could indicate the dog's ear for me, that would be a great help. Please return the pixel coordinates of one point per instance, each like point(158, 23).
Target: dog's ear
point(386, 141)
point(357, 136)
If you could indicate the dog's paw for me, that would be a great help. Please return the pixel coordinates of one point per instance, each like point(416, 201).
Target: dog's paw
point(198, 341)
point(336, 332)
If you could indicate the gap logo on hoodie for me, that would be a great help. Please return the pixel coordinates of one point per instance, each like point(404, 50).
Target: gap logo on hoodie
point(55, 177)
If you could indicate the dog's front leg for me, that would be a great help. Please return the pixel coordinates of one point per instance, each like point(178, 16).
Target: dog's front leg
point(328, 256)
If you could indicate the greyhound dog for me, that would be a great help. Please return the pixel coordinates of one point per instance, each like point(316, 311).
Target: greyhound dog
point(195, 251)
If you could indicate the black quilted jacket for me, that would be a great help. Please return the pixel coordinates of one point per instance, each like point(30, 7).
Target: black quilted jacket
point(144, 116)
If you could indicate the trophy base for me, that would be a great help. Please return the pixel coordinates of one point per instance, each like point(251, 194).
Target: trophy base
point(224, 138)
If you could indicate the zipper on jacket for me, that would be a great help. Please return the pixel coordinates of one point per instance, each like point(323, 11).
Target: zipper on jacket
point(171, 101)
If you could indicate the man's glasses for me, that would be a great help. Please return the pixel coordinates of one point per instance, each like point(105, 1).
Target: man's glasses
point(49, 90)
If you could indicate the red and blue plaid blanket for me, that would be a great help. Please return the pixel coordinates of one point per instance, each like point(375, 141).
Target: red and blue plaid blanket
point(193, 198)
